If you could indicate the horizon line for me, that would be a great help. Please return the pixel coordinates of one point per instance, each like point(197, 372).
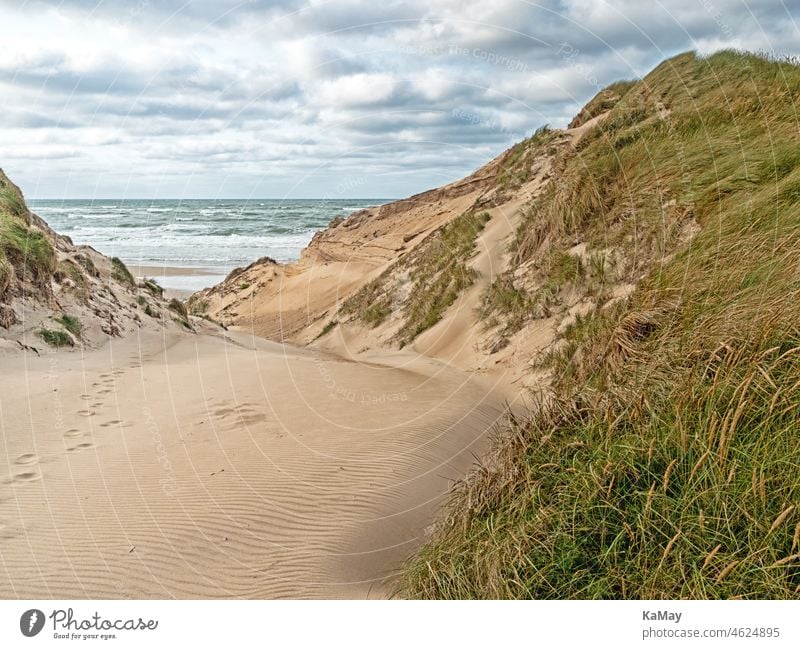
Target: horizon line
point(217, 198)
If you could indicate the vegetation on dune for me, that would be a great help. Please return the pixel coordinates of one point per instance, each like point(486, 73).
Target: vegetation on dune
point(329, 326)
point(196, 305)
point(6, 274)
point(11, 201)
point(441, 271)
point(25, 252)
point(120, 272)
point(68, 269)
point(87, 264)
point(433, 276)
point(665, 464)
point(179, 308)
point(603, 101)
point(516, 166)
point(56, 337)
point(153, 287)
point(71, 324)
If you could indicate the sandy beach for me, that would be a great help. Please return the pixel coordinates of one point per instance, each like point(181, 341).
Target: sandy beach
point(221, 465)
point(178, 281)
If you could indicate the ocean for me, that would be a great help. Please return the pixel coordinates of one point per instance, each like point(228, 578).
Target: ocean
point(206, 238)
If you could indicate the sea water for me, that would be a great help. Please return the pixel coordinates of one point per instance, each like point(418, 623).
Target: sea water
point(210, 236)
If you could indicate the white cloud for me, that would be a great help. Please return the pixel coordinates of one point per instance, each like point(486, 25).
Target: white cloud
point(267, 96)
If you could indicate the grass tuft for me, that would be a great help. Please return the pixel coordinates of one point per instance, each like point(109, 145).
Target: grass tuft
point(55, 337)
point(179, 307)
point(120, 272)
point(71, 324)
point(153, 287)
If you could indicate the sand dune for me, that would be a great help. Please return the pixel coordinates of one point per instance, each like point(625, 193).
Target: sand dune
point(219, 466)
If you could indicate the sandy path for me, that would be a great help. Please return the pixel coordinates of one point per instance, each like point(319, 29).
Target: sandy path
point(203, 467)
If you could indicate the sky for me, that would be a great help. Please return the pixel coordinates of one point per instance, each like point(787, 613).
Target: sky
point(337, 99)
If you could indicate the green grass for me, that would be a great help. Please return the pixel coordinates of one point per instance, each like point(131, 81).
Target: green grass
point(71, 324)
point(87, 264)
point(438, 271)
point(12, 202)
point(6, 275)
point(605, 100)
point(372, 303)
point(120, 272)
point(176, 306)
point(66, 268)
point(55, 337)
point(153, 287)
point(514, 303)
point(516, 165)
point(26, 253)
point(665, 463)
point(28, 250)
point(196, 305)
point(328, 328)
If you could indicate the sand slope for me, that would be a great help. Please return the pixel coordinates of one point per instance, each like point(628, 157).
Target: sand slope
point(213, 466)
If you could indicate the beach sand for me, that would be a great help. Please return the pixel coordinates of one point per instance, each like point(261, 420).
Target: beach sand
point(221, 465)
point(179, 281)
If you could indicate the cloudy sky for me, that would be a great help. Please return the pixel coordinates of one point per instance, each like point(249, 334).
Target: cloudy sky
point(345, 98)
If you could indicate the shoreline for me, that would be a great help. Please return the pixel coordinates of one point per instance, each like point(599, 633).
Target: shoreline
point(177, 280)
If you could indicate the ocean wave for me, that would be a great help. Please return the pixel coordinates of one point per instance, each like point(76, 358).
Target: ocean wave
point(218, 234)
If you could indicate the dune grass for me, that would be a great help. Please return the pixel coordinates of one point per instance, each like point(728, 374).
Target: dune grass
point(55, 337)
point(25, 252)
point(6, 274)
point(71, 324)
point(120, 272)
point(666, 462)
point(12, 202)
point(516, 166)
point(438, 271)
point(179, 309)
point(153, 287)
point(605, 100)
point(87, 264)
point(441, 271)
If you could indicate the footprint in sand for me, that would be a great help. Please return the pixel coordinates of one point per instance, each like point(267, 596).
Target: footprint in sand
point(113, 422)
point(99, 404)
point(81, 447)
point(6, 531)
point(86, 397)
point(27, 458)
point(86, 413)
point(253, 418)
point(27, 476)
point(106, 391)
point(118, 372)
point(73, 432)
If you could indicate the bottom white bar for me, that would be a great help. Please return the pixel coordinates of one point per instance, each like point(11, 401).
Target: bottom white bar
point(398, 624)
